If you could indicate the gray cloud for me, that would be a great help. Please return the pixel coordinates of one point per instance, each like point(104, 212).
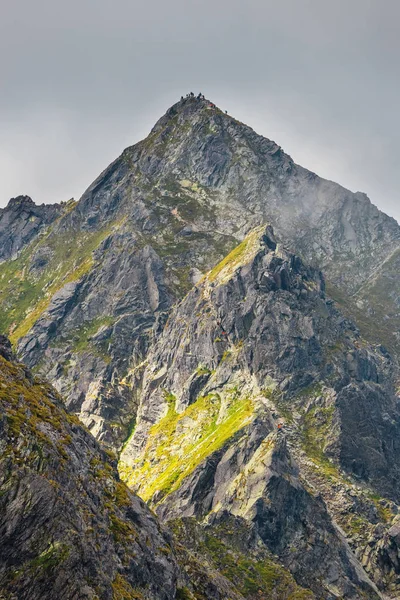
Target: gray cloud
point(81, 80)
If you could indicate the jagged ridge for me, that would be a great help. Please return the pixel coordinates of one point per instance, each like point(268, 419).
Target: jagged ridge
point(256, 341)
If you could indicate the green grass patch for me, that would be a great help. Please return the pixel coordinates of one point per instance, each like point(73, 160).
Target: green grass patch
point(81, 338)
point(25, 295)
point(179, 442)
point(239, 255)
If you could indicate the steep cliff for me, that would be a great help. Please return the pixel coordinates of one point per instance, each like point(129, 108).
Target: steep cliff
point(257, 342)
point(21, 221)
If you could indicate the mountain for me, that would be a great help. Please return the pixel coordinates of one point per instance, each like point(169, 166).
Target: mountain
point(89, 292)
point(203, 290)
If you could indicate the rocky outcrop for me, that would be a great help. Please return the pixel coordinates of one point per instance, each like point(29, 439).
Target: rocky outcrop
point(98, 328)
point(69, 527)
point(254, 343)
point(6, 348)
point(21, 221)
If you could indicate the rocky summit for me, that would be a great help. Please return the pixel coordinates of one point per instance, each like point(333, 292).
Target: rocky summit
point(226, 324)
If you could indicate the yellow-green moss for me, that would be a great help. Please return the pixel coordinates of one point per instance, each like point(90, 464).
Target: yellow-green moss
point(239, 255)
point(178, 443)
point(81, 338)
point(51, 557)
point(184, 594)
point(24, 296)
point(122, 590)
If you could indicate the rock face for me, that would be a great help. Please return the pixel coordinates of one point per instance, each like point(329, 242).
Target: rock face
point(186, 365)
point(255, 343)
point(21, 221)
point(71, 529)
point(118, 317)
point(166, 211)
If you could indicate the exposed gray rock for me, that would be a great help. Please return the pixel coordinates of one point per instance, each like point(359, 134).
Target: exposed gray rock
point(6, 348)
point(21, 221)
point(70, 529)
point(294, 354)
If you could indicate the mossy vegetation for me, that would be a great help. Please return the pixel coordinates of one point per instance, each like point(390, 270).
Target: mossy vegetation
point(28, 406)
point(25, 293)
point(202, 370)
point(182, 276)
point(317, 426)
point(239, 255)
point(50, 558)
point(254, 578)
point(382, 506)
point(184, 594)
point(122, 590)
point(179, 442)
point(122, 530)
point(81, 338)
point(254, 573)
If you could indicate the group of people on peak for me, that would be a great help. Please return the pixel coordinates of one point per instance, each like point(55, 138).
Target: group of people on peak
point(199, 96)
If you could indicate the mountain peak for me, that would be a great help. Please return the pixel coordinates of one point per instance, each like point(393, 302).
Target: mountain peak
point(21, 201)
point(186, 107)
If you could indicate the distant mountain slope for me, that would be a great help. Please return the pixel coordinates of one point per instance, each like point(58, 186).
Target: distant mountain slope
point(87, 300)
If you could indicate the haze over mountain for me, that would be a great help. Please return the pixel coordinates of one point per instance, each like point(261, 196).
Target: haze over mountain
point(203, 290)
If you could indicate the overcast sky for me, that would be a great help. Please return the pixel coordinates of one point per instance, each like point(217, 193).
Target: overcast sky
point(82, 79)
